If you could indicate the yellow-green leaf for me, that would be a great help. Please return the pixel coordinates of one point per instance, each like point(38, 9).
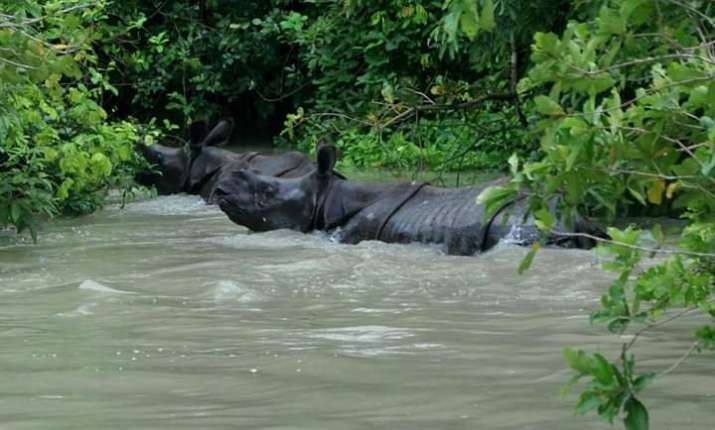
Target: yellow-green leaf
point(469, 20)
point(486, 19)
point(547, 106)
point(655, 192)
point(526, 262)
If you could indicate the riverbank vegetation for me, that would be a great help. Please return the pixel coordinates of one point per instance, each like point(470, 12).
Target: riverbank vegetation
point(598, 109)
point(626, 100)
point(60, 151)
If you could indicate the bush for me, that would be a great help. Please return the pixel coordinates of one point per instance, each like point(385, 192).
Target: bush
point(59, 153)
point(481, 141)
point(627, 105)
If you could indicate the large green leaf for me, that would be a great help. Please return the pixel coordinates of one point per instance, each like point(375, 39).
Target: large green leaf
point(469, 19)
point(545, 105)
point(486, 19)
point(636, 415)
point(494, 197)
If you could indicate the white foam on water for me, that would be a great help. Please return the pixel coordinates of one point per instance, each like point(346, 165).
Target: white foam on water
point(276, 239)
point(361, 334)
point(367, 341)
point(82, 310)
point(226, 291)
point(367, 352)
point(518, 235)
point(376, 311)
point(175, 204)
point(427, 345)
point(95, 286)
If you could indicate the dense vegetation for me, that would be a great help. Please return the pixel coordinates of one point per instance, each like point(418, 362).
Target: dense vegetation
point(627, 99)
point(60, 151)
point(390, 81)
point(598, 108)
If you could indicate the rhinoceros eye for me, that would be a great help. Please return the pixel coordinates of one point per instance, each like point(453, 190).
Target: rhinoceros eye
point(267, 190)
point(261, 200)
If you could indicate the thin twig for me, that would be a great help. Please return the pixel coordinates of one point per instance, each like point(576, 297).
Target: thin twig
point(12, 63)
point(636, 247)
point(647, 93)
point(639, 173)
point(694, 10)
point(423, 95)
point(682, 146)
point(413, 110)
point(682, 359)
point(653, 325)
point(641, 61)
point(284, 96)
point(340, 115)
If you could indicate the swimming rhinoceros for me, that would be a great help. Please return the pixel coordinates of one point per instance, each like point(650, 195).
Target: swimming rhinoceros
point(196, 167)
point(357, 211)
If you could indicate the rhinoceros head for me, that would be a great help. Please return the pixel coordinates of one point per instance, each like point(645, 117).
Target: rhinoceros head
point(264, 203)
point(172, 167)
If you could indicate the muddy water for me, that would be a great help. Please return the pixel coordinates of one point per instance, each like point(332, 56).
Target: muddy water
point(165, 315)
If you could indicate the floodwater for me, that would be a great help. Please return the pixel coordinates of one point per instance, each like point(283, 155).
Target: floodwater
point(165, 315)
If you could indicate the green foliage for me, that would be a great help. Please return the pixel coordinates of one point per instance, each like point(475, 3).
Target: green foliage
point(611, 390)
point(181, 60)
point(643, 300)
point(611, 114)
point(391, 99)
point(58, 153)
point(476, 141)
point(363, 72)
point(626, 128)
point(627, 114)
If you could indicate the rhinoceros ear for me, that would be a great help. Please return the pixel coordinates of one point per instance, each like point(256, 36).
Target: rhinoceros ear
point(220, 134)
point(197, 131)
point(327, 156)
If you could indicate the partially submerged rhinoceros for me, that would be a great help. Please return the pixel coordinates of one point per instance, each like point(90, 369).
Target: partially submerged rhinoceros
point(197, 167)
point(403, 212)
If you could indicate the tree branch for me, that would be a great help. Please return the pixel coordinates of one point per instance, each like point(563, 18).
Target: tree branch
point(636, 247)
point(682, 359)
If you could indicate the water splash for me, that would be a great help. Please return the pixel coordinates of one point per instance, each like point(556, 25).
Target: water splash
point(95, 286)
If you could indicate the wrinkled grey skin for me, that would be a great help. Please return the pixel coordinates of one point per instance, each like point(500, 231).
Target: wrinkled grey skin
point(401, 213)
point(196, 169)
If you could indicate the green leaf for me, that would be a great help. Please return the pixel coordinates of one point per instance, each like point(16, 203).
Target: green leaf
point(544, 219)
point(607, 203)
point(547, 106)
point(611, 22)
point(618, 325)
point(469, 19)
point(494, 197)
point(655, 192)
point(514, 163)
point(101, 164)
point(602, 370)
point(578, 360)
point(643, 381)
point(33, 232)
point(15, 212)
point(637, 195)
point(574, 152)
point(636, 415)
point(526, 262)
point(709, 166)
point(486, 19)
point(587, 402)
